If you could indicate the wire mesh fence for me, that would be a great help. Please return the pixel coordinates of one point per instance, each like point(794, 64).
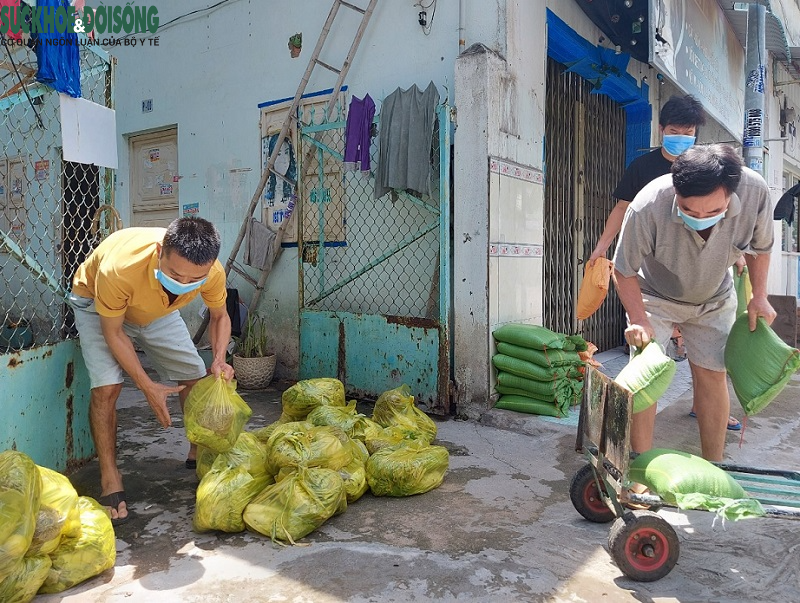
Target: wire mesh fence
point(52, 212)
point(360, 253)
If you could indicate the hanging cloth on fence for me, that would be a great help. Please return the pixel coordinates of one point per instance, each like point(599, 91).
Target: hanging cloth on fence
point(406, 129)
point(357, 134)
point(260, 239)
point(58, 54)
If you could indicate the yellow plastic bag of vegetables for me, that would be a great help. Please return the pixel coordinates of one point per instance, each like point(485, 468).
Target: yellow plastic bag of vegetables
point(205, 459)
point(215, 414)
point(407, 469)
point(396, 408)
point(78, 559)
point(20, 491)
point(58, 513)
point(392, 436)
point(297, 504)
point(247, 452)
point(222, 496)
point(353, 423)
point(305, 396)
point(322, 446)
point(21, 585)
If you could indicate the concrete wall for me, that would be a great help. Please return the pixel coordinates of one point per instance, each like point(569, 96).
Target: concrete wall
point(46, 405)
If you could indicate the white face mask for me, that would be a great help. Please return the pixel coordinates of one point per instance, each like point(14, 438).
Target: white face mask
point(173, 286)
point(700, 223)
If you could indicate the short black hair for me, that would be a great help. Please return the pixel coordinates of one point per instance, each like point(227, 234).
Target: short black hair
point(702, 169)
point(194, 239)
point(682, 111)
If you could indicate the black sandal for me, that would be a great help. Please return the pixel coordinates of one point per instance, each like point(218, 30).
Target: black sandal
point(191, 463)
point(113, 500)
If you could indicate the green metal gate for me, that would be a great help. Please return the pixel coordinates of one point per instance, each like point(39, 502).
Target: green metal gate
point(374, 273)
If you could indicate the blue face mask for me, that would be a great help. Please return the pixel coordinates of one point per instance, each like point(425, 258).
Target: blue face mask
point(174, 286)
point(675, 144)
point(700, 223)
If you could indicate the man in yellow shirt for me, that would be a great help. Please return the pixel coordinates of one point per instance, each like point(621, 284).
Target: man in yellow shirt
point(131, 288)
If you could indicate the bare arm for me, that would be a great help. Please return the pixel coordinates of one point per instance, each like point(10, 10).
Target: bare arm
point(640, 331)
point(611, 230)
point(122, 348)
point(758, 267)
point(220, 333)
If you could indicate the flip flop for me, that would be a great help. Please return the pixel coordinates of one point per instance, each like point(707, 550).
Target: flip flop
point(113, 500)
point(731, 426)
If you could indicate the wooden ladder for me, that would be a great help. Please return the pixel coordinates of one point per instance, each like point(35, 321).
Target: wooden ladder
point(341, 74)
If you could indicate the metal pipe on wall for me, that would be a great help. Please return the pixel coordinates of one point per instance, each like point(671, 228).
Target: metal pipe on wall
point(755, 66)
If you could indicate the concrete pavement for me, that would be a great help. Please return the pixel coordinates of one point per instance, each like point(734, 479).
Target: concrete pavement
point(501, 528)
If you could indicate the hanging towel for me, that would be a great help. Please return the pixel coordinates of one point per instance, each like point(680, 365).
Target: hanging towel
point(260, 239)
point(406, 129)
point(59, 60)
point(785, 207)
point(357, 134)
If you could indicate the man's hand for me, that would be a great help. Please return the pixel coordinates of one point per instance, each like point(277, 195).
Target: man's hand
point(156, 395)
point(740, 265)
point(221, 368)
point(760, 306)
point(597, 253)
point(639, 334)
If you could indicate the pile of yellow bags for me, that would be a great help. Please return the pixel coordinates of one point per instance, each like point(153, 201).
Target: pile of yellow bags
point(50, 538)
point(285, 480)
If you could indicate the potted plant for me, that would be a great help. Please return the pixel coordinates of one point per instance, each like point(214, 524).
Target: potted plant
point(253, 362)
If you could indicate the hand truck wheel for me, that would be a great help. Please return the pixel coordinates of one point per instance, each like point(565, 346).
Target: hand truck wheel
point(643, 545)
point(587, 498)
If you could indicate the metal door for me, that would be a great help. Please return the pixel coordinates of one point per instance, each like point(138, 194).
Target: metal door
point(374, 273)
point(154, 178)
point(585, 158)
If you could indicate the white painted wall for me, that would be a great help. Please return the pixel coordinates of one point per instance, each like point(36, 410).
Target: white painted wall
point(210, 72)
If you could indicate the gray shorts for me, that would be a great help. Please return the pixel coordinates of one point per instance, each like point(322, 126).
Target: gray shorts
point(166, 341)
point(705, 328)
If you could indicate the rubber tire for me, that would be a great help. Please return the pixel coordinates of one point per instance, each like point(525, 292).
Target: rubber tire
point(630, 533)
point(586, 499)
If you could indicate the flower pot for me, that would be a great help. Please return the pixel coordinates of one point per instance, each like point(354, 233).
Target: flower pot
point(254, 373)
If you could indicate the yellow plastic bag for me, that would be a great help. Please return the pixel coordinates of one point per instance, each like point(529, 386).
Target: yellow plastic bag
point(215, 414)
point(354, 476)
point(297, 505)
point(222, 496)
point(78, 559)
point(594, 287)
point(205, 459)
point(20, 492)
point(393, 436)
point(247, 452)
point(322, 446)
point(58, 513)
point(354, 424)
point(396, 408)
point(21, 585)
point(305, 396)
point(407, 469)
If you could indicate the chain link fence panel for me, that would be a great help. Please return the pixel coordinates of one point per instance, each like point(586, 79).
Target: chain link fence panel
point(52, 212)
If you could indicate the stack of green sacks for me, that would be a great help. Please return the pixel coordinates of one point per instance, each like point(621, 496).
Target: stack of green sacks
point(538, 371)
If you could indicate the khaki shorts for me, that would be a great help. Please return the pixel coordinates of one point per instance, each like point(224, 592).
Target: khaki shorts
point(705, 328)
point(166, 341)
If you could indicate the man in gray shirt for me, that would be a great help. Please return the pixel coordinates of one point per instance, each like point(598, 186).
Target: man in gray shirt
point(680, 236)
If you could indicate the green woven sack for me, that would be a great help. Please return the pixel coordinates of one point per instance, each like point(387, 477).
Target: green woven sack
point(744, 290)
point(532, 336)
point(513, 391)
point(546, 358)
point(532, 406)
point(647, 376)
point(529, 370)
point(759, 362)
point(691, 482)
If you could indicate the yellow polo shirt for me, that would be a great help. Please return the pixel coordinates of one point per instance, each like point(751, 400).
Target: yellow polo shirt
point(120, 276)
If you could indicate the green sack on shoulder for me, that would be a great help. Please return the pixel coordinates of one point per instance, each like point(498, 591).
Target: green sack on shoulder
point(691, 482)
point(756, 383)
point(647, 376)
point(532, 336)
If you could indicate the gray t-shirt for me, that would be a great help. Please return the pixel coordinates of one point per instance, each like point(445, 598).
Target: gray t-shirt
point(672, 261)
